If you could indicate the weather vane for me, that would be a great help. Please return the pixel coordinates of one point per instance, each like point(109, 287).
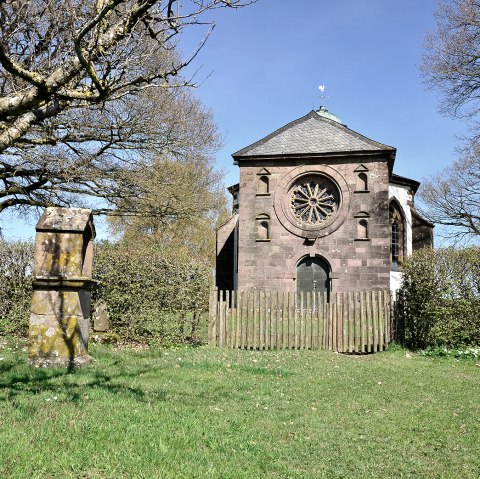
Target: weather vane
point(322, 94)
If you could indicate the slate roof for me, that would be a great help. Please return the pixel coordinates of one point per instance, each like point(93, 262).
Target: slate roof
point(312, 134)
point(402, 180)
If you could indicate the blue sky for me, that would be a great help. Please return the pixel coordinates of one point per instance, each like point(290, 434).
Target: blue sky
point(262, 66)
point(266, 62)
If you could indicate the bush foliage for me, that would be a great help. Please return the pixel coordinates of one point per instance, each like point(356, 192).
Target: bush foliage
point(157, 296)
point(151, 295)
point(440, 298)
point(16, 266)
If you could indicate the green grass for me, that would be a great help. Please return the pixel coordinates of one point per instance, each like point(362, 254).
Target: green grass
point(203, 413)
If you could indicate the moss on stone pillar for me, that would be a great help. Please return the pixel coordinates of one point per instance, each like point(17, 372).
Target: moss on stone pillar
point(60, 315)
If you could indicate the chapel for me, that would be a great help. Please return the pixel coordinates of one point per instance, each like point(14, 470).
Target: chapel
point(318, 208)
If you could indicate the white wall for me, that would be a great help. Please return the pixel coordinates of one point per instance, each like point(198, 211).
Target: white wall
point(404, 197)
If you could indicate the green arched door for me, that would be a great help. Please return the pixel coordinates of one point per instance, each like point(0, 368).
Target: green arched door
point(312, 276)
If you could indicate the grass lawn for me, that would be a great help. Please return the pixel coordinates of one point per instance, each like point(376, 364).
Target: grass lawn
point(204, 413)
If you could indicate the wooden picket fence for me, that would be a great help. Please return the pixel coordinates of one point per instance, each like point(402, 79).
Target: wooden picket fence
point(356, 322)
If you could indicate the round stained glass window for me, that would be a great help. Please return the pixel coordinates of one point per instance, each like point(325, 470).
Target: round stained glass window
point(314, 200)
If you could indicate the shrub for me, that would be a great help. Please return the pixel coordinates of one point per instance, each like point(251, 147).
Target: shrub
point(440, 298)
point(16, 266)
point(458, 353)
point(152, 295)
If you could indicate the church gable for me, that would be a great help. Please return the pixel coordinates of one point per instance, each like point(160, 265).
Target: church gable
point(315, 198)
point(312, 134)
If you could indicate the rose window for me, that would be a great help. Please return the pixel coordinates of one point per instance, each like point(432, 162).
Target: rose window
point(314, 201)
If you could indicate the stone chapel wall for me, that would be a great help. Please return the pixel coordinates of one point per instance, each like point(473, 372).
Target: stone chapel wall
point(357, 263)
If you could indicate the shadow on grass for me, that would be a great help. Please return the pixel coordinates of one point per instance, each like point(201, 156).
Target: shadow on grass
point(17, 379)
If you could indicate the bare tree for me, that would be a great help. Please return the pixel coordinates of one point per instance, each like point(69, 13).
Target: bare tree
point(451, 65)
point(85, 96)
point(451, 59)
point(452, 198)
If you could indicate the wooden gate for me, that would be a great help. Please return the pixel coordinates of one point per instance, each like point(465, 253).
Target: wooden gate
point(349, 322)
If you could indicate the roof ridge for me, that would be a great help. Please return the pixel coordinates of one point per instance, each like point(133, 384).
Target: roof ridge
point(313, 115)
point(273, 134)
point(360, 136)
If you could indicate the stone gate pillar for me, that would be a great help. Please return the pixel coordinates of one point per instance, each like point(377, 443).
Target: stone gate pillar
point(60, 315)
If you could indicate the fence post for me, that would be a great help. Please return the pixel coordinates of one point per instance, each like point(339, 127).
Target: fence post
point(212, 317)
point(221, 320)
point(390, 317)
point(356, 321)
point(226, 322)
point(375, 320)
point(237, 320)
point(242, 321)
point(254, 307)
point(324, 324)
point(350, 322)
point(288, 318)
point(381, 315)
point(247, 320)
point(363, 319)
point(293, 332)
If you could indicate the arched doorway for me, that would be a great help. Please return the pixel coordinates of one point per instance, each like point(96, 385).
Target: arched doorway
point(313, 276)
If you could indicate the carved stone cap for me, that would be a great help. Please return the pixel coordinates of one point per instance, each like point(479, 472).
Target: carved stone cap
point(73, 220)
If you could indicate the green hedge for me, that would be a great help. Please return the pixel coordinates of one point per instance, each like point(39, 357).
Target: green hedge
point(440, 298)
point(16, 266)
point(151, 296)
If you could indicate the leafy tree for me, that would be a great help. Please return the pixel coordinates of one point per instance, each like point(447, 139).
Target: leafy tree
point(451, 65)
point(180, 215)
point(85, 96)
